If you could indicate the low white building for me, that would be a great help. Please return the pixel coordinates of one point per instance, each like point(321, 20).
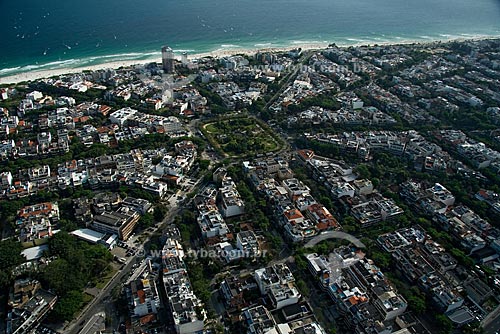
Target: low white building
point(247, 243)
point(284, 295)
point(122, 115)
point(94, 237)
point(274, 276)
point(144, 297)
point(231, 203)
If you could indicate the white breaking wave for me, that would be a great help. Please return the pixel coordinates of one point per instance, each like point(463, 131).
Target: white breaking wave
point(260, 45)
point(356, 40)
point(306, 42)
point(79, 62)
point(9, 69)
point(186, 50)
point(226, 46)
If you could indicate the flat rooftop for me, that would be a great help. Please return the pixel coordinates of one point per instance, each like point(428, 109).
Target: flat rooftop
point(88, 235)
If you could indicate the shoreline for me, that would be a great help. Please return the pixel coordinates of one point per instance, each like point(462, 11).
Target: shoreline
point(42, 74)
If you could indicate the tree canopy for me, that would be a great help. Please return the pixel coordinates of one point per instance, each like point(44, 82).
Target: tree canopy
point(77, 264)
point(10, 256)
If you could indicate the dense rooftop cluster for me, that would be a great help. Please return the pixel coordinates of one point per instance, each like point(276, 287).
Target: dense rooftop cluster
point(393, 147)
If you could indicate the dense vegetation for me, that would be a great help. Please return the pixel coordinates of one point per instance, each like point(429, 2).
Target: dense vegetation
point(10, 256)
point(77, 266)
point(241, 136)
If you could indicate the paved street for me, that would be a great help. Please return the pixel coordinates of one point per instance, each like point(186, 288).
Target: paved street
point(493, 327)
point(95, 324)
point(491, 323)
point(305, 56)
point(96, 305)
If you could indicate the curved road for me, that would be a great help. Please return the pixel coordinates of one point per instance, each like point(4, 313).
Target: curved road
point(334, 235)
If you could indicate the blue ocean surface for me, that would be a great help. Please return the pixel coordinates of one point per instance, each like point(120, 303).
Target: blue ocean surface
point(48, 34)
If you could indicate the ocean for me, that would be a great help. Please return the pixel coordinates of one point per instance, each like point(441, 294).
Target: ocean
point(54, 34)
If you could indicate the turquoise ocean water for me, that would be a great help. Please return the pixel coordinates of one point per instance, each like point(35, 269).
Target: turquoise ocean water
point(48, 34)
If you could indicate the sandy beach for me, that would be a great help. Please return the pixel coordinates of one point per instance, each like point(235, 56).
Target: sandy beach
point(35, 75)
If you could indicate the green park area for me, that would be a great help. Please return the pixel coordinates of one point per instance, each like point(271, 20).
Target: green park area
point(241, 136)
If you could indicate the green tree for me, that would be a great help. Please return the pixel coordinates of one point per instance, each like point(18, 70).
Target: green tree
point(67, 306)
point(362, 171)
point(204, 164)
point(159, 212)
point(77, 263)
point(445, 324)
point(473, 328)
point(61, 277)
point(326, 201)
point(10, 254)
point(381, 259)
point(303, 288)
point(300, 262)
point(63, 245)
point(146, 220)
point(10, 208)
point(461, 257)
point(417, 304)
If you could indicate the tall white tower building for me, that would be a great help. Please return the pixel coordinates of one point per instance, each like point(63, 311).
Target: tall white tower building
point(167, 59)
